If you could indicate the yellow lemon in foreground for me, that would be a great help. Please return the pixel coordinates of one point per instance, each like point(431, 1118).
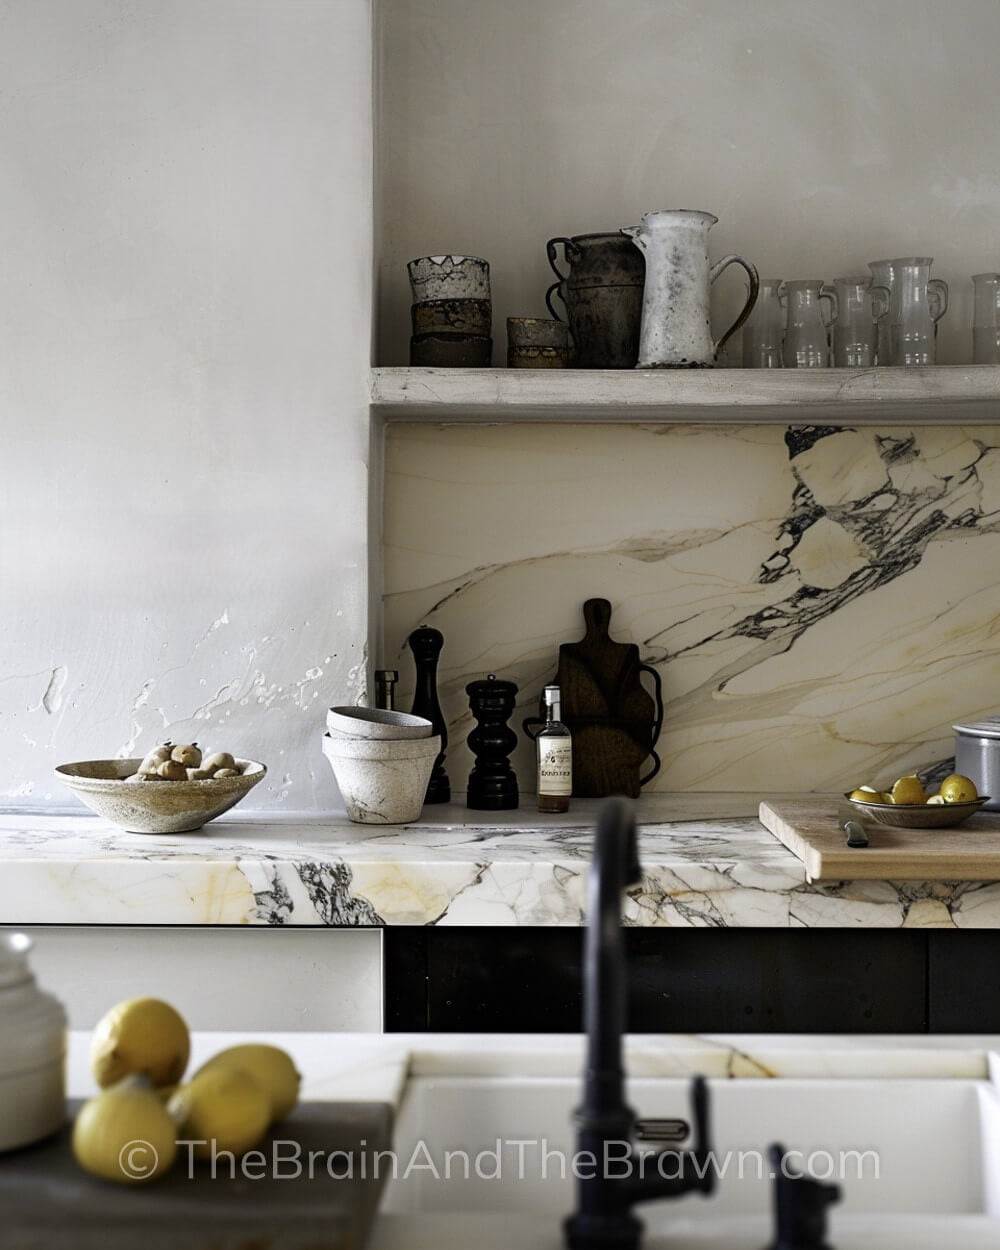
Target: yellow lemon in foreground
point(958, 789)
point(908, 790)
point(221, 1109)
point(124, 1134)
point(140, 1035)
point(270, 1066)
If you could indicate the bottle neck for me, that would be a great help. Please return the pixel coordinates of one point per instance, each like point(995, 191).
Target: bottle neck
point(553, 709)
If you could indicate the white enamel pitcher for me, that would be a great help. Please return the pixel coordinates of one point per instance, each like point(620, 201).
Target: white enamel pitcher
point(675, 331)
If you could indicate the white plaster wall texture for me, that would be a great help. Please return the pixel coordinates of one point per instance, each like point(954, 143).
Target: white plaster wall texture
point(185, 250)
point(822, 135)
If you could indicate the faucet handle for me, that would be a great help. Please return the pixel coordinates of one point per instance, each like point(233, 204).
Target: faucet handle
point(800, 1204)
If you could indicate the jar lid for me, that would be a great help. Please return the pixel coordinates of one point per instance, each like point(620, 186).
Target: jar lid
point(34, 1023)
point(14, 949)
point(989, 728)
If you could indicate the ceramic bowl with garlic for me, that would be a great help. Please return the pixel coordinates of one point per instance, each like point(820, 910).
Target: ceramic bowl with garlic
point(172, 789)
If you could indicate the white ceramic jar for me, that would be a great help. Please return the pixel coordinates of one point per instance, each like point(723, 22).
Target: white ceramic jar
point(32, 1051)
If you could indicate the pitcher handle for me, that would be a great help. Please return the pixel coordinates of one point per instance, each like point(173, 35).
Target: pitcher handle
point(714, 272)
point(550, 252)
point(556, 289)
point(938, 287)
point(881, 295)
point(658, 725)
point(828, 291)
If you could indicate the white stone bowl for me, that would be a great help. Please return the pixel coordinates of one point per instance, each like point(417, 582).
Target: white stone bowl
point(376, 722)
point(155, 806)
point(382, 781)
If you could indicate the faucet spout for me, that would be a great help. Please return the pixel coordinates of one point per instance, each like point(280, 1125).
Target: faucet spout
point(605, 1123)
point(615, 865)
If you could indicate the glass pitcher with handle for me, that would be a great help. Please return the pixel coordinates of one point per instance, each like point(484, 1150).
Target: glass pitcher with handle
point(765, 328)
point(986, 319)
point(854, 328)
point(807, 341)
point(908, 304)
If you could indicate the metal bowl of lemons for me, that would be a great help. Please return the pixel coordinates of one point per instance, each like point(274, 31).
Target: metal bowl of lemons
point(907, 806)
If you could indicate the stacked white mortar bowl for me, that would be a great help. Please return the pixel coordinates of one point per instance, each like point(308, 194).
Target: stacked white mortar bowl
point(382, 761)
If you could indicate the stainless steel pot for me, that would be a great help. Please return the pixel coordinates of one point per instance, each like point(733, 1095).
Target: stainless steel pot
point(977, 756)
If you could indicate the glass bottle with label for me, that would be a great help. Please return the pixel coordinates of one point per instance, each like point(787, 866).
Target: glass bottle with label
point(554, 747)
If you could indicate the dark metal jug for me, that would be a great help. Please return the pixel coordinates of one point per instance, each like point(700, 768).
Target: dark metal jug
point(602, 294)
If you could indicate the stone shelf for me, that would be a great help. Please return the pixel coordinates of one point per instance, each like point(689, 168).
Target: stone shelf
point(943, 394)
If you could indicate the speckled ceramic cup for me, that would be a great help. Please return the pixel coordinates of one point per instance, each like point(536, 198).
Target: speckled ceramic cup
point(382, 781)
point(449, 277)
point(453, 316)
point(450, 351)
point(377, 722)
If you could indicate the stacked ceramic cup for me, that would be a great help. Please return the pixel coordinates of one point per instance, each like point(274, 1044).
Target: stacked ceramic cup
point(382, 761)
point(452, 312)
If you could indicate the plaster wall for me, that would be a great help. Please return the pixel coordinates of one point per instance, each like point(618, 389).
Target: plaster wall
point(185, 261)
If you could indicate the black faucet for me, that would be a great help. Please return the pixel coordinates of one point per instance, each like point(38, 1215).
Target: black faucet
point(800, 1204)
point(603, 1219)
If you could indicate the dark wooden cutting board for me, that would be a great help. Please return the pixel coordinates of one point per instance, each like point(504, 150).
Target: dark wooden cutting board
point(613, 719)
point(47, 1202)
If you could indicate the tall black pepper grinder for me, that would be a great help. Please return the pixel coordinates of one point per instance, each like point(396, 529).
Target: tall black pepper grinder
point(492, 782)
point(426, 644)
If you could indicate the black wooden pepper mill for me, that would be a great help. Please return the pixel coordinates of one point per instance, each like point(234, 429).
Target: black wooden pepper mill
point(426, 644)
point(492, 782)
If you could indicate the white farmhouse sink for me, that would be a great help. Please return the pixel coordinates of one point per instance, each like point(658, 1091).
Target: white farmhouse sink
point(489, 1158)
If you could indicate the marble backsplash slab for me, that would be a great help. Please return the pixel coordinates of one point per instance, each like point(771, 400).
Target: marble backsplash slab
point(821, 602)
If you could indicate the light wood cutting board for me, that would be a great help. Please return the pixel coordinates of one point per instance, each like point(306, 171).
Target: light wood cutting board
point(810, 826)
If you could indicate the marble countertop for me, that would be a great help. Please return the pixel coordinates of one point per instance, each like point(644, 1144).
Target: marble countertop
point(374, 1067)
point(706, 859)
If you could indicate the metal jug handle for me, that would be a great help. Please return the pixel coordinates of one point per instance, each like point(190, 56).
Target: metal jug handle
point(714, 272)
point(556, 289)
point(658, 692)
point(559, 287)
point(550, 252)
point(938, 287)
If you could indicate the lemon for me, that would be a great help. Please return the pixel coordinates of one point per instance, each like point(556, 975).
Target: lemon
point(864, 794)
point(140, 1035)
point(124, 1134)
point(907, 790)
point(958, 789)
point(935, 799)
point(222, 1108)
point(270, 1066)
